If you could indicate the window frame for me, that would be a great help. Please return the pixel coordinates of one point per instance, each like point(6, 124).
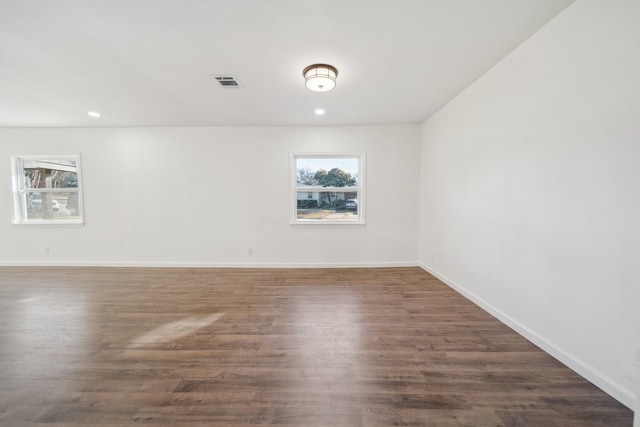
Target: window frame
point(359, 189)
point(20, 191)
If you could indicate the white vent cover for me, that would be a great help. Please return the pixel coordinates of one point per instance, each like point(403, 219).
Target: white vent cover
point(227, 81)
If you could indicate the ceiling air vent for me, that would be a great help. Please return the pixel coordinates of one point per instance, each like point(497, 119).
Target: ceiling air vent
point(226, 81)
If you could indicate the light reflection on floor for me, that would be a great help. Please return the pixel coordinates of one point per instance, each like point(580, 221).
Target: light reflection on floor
point(173, 331)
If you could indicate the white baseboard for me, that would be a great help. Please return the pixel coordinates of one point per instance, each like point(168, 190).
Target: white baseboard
point(160, 264)
point(604, 382)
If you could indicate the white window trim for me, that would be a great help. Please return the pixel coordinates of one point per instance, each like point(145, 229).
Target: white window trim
point(17, 185)
point(293, 176)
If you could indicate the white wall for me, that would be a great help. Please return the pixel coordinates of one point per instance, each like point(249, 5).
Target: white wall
point(204, 196)
point(530, 197)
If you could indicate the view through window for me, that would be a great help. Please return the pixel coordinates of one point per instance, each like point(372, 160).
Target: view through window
point(328, 188)
point(47, 190)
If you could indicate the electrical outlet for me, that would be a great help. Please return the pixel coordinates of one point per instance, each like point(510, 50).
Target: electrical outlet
point(250, 251)
point(47, 250)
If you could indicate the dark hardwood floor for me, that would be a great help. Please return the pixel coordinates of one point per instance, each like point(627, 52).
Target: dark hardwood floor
point(279, 347)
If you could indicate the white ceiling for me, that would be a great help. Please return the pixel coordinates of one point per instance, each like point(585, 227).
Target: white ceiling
point(149, 62)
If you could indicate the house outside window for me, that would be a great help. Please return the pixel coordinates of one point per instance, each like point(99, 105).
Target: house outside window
point(47, 190)
point(327, 188)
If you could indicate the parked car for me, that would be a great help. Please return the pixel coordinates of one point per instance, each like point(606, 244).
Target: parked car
point(36, 203)
point(352, 204)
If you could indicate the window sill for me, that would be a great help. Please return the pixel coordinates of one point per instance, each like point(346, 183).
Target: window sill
point(316, 223)
point(46, 223)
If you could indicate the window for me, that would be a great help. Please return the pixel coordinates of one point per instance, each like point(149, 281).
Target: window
point(47, 190)
point(327, 188)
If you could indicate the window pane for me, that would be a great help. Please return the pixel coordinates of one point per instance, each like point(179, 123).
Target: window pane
point(327, 206)
point(52, 206)
point(47, 189)
point(50, 173)
point(327, 172)
point(327, 188)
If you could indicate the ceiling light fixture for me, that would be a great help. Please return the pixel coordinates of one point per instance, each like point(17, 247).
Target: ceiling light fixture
point(94, 114)
point(319, 112)
point(320, 77)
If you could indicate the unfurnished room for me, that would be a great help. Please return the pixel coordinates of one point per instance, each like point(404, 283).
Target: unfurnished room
point(320, 213)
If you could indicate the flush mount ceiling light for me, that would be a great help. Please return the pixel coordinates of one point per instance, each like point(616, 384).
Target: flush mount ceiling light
point(94, 114)
point(320, 77)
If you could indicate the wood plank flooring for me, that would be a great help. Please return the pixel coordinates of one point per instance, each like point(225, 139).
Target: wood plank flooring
point(277, 347)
